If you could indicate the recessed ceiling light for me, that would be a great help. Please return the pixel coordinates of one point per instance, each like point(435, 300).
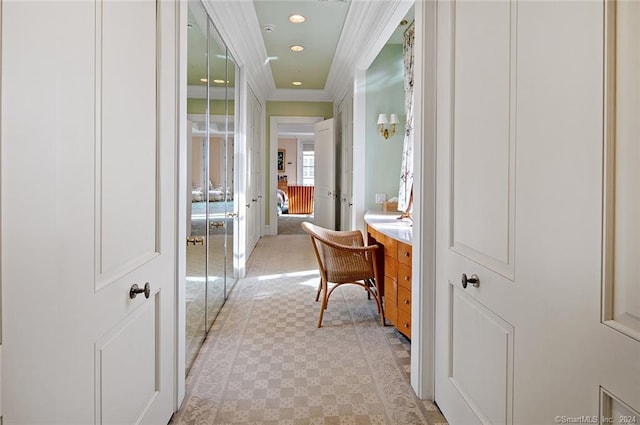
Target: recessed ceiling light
point(296, 48)
point(218, 81)
point(204, 80)
point(296, 18)
point(297, 83)
point(269, 28)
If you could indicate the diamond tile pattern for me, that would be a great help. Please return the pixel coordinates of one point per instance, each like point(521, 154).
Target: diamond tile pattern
point(266, 362)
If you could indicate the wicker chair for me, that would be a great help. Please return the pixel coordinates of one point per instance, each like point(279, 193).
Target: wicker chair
point(343, 258)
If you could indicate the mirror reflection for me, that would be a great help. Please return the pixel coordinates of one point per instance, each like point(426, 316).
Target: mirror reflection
point(195, 290)
point(211, 210)
point(219, 191)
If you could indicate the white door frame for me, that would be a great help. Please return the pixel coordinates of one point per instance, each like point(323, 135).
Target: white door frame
point(423, 289)
point(424, 201)
point(258, 204)
point(274, 122)
point(344, 114)
point(181, 261)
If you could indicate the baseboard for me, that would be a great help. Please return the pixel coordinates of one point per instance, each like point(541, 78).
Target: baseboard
point(270, 231)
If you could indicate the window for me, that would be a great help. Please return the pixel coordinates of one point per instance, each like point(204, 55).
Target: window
point(308, 160)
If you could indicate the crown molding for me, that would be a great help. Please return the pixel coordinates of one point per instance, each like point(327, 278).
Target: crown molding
point(200, 92)
point(357, 48)
point(301, 95)
point(368, 26)
point(384, 28)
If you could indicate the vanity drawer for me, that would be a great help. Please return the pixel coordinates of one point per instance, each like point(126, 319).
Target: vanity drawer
point(404, 276)
point(404, 322)
point(394, 263)
point(404, 253)
point(404, 299)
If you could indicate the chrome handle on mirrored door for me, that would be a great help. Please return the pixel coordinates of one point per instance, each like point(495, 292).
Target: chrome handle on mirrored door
point(474, 280)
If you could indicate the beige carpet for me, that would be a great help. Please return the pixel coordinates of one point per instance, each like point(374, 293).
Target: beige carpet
point(265, 362)
point(290, 224)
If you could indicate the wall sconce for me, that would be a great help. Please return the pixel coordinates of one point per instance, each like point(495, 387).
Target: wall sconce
point(383, 120)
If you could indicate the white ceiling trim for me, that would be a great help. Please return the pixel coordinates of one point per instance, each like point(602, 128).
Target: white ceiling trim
point(368, 26)
point(239, 27)
point(386, 27)
point(296, 95)
point(218, 124)
point(200, 92)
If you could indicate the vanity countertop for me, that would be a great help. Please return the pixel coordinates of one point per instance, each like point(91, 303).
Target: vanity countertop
point(388, 224)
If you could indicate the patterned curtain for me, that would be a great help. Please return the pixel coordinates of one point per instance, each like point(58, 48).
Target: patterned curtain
point(405, 203)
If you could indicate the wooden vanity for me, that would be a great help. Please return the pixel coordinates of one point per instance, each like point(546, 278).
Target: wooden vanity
point(394, 238)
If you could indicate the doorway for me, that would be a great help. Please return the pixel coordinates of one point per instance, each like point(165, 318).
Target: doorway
point(290, 138)
point(295, 166)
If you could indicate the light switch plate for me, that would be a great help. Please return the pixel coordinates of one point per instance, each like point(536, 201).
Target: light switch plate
point(381, 198)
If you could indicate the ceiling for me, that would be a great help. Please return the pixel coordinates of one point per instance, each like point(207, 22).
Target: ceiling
point(318, 34)
point(338, 37)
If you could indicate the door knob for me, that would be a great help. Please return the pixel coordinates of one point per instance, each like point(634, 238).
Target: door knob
point(254, 200)
point(473, 280)
point(248, 205)
point(135, 290)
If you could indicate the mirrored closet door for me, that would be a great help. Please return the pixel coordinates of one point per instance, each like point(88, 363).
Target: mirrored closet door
point(211, 208)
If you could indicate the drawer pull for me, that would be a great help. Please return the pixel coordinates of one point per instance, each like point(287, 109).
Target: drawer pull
point(406, 325)
point(406, 253)
point(406, 277)
point(406, 302)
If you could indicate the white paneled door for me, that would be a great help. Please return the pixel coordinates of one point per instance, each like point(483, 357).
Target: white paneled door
point(324, 213)
point(255, 184)
point(345, 111)
point(521, 338)
point(97, 219)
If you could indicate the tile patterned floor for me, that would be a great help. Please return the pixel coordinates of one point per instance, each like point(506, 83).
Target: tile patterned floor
point(265, 362)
